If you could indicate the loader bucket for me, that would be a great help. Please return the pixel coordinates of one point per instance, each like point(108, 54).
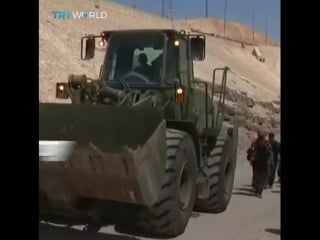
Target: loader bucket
point(101, 152)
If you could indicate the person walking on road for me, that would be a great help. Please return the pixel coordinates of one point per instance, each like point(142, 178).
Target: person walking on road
point(250, 158)
point(261, 159)
point(276, 153)
point(279, 170)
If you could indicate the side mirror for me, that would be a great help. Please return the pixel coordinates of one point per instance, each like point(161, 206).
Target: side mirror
point(198, 47)
point(87, 51)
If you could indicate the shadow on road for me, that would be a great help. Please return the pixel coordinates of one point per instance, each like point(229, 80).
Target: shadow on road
point(273, 230)
point(245, 189)
point(195, 215)
point(243, 193)
point(53, 233)
point(276, 191)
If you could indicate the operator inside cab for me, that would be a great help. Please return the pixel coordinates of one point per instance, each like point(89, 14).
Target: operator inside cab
point(142, 55)
point(144, 69)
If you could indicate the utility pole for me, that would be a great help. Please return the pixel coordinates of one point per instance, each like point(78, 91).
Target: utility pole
point(97, 4)
point(134, 4)
point(206, 8)
point(170, 5)
point(267, 28)
point(253, 17)
point(225, 18)
point(167, 8)
point(253, 20)
point(163, 8)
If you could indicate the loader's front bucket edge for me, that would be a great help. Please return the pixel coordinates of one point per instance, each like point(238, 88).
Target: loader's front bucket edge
point(118, 153)
point(149, 161)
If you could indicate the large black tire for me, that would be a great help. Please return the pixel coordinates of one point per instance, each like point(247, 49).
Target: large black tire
point(171, 213)
point(219, 169)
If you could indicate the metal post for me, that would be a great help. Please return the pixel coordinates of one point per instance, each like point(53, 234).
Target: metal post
point(168, 4)
point(253, 18)
point(267, 28)
point(96, 3)
point(163, 7)
point(206, 8)
point(225, 18)
point(171, 10)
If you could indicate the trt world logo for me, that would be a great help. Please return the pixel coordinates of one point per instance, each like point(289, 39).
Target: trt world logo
point(79, 15)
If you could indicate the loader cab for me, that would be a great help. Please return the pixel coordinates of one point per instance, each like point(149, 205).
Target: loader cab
point(149, 58)
point(134, 57)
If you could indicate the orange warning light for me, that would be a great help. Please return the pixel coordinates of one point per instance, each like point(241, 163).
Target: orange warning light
point(179, 96)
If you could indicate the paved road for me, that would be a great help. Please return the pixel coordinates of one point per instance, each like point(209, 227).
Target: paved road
point(247, 218)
